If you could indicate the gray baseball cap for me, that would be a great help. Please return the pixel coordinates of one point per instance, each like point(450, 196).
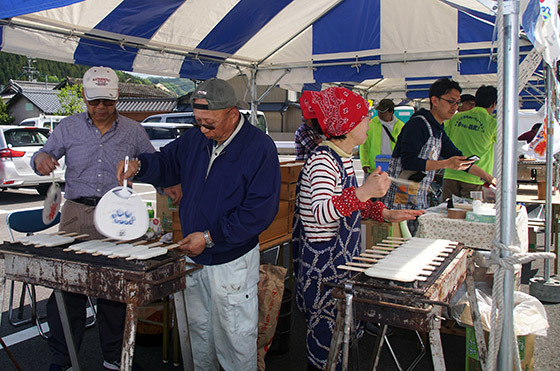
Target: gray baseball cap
point(218, 93)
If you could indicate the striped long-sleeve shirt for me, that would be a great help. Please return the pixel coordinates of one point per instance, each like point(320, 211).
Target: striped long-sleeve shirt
point(323, 202)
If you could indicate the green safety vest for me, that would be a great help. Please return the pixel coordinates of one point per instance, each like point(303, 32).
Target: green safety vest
point(372, 146)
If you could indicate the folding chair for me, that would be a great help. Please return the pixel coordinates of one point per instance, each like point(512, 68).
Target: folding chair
point(29, 222)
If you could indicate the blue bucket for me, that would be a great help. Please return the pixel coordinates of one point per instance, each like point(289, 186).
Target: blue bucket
point(383, 161)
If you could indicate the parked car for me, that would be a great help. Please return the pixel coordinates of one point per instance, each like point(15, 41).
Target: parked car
point(17, 146)
point(162, 133)
point(188, 118)
point(43, 121)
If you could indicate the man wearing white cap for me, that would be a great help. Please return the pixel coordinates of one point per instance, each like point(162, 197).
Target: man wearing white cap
point(93, 143)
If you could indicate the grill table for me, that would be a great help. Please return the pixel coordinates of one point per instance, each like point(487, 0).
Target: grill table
point(134, 282)
point(415, 306)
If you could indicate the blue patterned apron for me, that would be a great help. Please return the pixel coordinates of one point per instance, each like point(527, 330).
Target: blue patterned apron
point(417, 200)
point(315, 263)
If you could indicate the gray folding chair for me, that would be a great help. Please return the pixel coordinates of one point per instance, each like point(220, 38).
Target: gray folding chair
point(29, 222)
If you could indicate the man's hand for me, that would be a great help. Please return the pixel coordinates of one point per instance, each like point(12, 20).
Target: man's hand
point(458, 163)
point(193, 245)
point(395, 215)
point(45, 163)
point(376, 185)
point(132, 170)
point(175, 193)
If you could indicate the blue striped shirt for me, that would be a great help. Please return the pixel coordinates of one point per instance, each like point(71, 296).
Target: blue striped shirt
point(91, 159)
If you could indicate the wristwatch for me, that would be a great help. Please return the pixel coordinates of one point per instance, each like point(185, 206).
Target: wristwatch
point(208, 240)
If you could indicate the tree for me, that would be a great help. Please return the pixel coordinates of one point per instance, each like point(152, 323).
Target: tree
point(5, 117)
point(70, 98)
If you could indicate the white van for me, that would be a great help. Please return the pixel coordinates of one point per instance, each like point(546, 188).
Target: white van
point(188, 118)
point(43, 121)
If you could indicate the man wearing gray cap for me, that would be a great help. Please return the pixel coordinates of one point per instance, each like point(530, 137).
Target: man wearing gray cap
point(384, 129)
point(230, 178)
point(92, 143)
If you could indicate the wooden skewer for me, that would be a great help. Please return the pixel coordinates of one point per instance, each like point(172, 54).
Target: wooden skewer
point(397, 238)
point(141, 242)
point(366, 259)
point(350, 268)
point(171, 247)
point(361, 265)
point(373, 254)
point(390, 245)
point(377, 251)
point(85, 235)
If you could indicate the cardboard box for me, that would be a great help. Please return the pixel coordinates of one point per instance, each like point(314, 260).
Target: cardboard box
point(526, 351)
point(374, 232)
point(283, 209)
point(288, 191)
point(164, 211)
point(177, 232)
point(290, 170)
point(278, 228)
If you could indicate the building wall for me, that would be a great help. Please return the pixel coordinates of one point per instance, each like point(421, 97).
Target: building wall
point(277, 121)
point(23, 109)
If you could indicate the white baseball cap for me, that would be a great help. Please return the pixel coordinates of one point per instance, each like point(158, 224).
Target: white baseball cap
point(101, 83)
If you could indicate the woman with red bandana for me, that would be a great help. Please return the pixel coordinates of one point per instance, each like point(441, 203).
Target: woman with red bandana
point(328, 211)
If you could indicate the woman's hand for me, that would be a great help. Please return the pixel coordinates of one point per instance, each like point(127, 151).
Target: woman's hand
point(376, 185)
point(395, 216)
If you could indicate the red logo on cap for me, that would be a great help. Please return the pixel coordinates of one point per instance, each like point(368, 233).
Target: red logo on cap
point(101, 81)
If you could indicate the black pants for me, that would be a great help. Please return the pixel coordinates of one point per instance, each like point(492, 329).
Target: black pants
point(110, 322)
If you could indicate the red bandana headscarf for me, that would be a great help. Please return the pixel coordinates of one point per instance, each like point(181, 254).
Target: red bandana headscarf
point(338, 110)
point(305, 104)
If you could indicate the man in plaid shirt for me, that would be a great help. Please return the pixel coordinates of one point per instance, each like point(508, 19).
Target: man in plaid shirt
point(308, 135)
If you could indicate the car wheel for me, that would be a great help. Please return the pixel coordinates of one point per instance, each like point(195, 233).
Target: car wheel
point(43, 188)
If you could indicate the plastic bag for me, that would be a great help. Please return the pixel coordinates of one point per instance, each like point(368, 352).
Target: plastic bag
point(529, 315)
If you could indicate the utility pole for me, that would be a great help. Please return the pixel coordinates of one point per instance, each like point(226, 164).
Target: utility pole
point(30, 70)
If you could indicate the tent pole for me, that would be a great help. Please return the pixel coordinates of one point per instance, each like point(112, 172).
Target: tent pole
point(254, 99)
point(547, 288)
point(549, 161)
point(510, 42)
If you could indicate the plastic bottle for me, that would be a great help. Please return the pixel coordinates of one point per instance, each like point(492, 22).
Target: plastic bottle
point(150, 210)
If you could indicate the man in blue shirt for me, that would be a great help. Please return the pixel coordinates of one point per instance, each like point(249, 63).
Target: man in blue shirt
point(92, 143)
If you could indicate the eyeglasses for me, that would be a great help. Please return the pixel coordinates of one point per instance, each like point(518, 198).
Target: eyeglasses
point(452, 102)
point(199, 124)
point(106, 102)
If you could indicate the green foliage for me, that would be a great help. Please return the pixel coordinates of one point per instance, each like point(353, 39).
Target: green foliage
point(5, 117)
point(177, 85)
point(70, 98)
point(12, 67)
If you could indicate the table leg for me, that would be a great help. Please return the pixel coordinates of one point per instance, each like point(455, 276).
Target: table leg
point(183, 327)
point(2, 290)
point(129, 337)
point(165, 344)
point(336, 341)
point(555, 213)
point(437, 349)
point(70, 344)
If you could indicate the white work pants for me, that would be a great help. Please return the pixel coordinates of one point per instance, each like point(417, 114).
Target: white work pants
point(222, 308)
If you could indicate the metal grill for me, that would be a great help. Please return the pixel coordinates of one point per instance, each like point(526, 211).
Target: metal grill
point(133, 282)
point(416, 306)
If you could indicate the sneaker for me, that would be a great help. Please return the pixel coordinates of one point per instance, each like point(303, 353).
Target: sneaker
point(114, 365)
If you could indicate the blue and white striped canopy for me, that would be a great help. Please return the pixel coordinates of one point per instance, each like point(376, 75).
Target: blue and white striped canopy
point(287, 42)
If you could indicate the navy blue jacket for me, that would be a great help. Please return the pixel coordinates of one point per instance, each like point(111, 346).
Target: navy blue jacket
point(415, 134)
point(237, 201)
